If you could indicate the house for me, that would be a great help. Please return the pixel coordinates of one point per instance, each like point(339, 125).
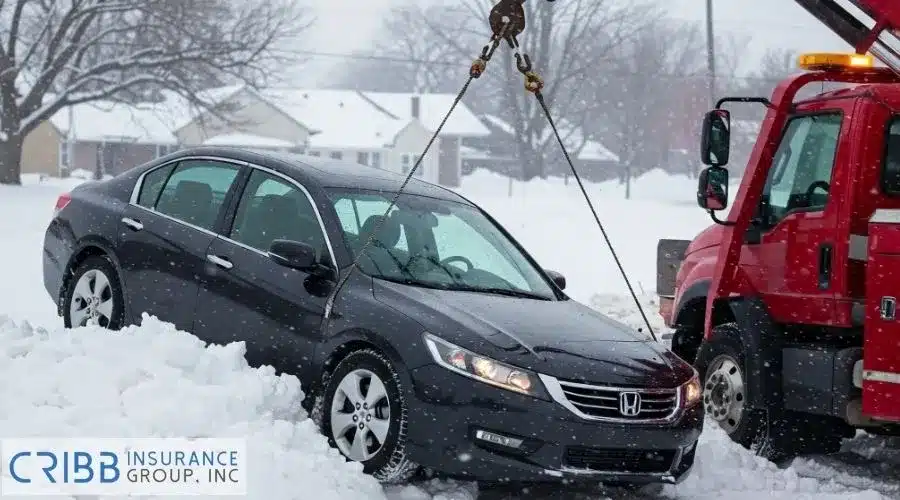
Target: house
point(382, 130)
point(106, 135)
point(430, 110)
point(498, 151)
point(240, 113)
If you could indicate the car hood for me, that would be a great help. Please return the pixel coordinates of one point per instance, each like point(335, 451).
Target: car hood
point(564, 339)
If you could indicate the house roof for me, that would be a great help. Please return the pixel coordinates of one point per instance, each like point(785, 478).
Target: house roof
point(178, 111)
point(432, 109)
point(115, 122)
point(591, 150)
point(248, 140)
point(342, 118)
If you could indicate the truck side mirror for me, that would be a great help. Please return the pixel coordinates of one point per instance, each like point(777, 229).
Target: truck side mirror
point(712, 188)
point(715, 143)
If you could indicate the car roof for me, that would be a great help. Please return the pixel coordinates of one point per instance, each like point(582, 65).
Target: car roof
point(328, 173)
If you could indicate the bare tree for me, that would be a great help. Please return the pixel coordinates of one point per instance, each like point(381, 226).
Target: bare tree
point(431, 61)
point(570, 44)
point(57, 53)
point(408, 57)
point(641, 102)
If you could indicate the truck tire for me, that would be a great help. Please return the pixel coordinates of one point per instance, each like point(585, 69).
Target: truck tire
point(774, 433)
point(686, 342)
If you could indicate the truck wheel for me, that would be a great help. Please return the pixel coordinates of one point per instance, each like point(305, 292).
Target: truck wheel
point(774, 434)
point(686, 342)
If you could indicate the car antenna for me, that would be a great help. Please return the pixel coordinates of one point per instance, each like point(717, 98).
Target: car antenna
point(507, 21)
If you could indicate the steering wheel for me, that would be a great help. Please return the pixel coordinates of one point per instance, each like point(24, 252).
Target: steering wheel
point(823, 185)
point(458, 258)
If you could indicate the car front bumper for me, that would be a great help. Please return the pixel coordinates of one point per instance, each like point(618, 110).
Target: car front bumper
point(454, 423)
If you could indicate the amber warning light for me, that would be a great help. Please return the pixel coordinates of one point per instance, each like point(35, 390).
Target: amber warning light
point(828, 61)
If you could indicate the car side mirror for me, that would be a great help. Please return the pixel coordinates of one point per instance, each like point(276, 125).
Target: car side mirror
point(297, 255)
point(558, 279)
point(715, 142)
point(712, 188)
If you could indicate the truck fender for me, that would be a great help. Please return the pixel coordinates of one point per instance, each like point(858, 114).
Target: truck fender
point(688, 310)
point(760, 340)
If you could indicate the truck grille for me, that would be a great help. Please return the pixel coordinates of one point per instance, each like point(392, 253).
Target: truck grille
point(627, 461)
point(614, 403)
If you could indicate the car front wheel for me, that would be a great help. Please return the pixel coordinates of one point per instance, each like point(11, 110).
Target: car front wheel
point(363, 413)
point(93, 296)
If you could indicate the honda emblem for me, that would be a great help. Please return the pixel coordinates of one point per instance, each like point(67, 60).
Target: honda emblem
point(629, 404)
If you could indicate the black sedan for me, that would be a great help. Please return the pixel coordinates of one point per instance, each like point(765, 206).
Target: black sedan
point(447, 348)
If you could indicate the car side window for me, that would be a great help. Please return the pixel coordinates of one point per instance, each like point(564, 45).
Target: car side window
point(152, 185)
point(196, 190)
point(272, 208)
point(800, 177)
point(890, 169)
point(356, 212)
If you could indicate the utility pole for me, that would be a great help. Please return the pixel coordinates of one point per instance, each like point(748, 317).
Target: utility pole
point(710, 54)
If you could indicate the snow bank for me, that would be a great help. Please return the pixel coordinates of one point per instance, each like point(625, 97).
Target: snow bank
point(154, 381)
point(723, 469)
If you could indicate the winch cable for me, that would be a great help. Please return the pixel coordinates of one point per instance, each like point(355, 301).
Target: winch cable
point(612, 250)
point(508, 25)
point(534, 83)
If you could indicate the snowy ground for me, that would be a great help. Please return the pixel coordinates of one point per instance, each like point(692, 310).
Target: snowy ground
point(211, 391)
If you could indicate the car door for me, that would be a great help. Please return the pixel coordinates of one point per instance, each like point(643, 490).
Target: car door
point(165, 233)
point(791, 250)
point(276, 310)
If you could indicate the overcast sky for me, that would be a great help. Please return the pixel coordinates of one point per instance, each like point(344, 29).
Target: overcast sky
point(350, 25)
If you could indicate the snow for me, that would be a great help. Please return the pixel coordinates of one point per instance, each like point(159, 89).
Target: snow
point(101, 121)
point(248, 140)
point(587, 150)
point(88, 382)
point(432, 109)
point(148, 381)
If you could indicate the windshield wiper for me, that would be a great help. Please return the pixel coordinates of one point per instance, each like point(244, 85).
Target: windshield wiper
point(508, 292)
point(410, 282)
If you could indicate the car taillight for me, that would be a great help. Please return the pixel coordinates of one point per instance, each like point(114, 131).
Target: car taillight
point(61, 202)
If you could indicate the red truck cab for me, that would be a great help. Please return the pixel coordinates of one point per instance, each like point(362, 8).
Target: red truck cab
point(787, 306)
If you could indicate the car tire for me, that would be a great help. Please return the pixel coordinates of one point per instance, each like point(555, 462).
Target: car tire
point(776, 434)
point(94, 296)
point(346, 400)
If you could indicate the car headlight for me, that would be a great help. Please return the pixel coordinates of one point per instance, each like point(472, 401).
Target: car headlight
point(692, 391)
point(484, 369)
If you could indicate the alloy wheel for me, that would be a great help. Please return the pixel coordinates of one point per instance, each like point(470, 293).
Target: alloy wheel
point(92, 301)
point(360, 415)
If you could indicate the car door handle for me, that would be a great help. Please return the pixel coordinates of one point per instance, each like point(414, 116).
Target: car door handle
point(219, 261)
point(133, 224)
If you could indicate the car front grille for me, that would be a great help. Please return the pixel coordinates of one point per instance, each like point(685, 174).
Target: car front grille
point(613, 403)
point(617, 460)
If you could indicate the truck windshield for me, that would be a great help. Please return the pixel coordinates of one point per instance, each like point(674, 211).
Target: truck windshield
point(435, 243)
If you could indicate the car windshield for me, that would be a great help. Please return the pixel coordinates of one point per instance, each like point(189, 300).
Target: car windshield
point(435, 243)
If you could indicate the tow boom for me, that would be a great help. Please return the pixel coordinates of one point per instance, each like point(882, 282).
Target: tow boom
point(868, 25)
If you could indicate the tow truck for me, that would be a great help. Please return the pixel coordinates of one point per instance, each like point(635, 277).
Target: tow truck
point(787, 305)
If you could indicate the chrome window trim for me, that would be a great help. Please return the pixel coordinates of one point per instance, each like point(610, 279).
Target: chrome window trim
point(554, 388)
point(135, 193)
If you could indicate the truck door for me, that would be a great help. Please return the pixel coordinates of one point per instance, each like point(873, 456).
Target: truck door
point(793, 244)
point(881, 351)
